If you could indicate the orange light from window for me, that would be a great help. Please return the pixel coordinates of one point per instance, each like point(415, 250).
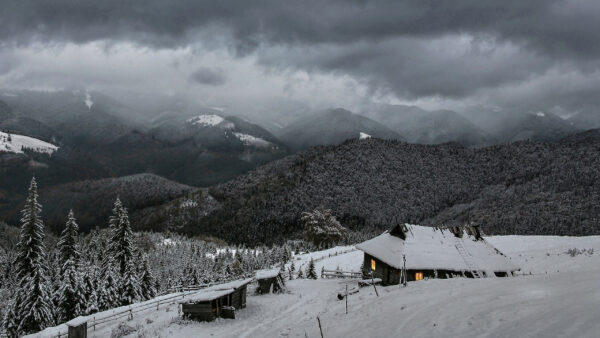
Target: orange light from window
point(373, 264)
point(418, 275)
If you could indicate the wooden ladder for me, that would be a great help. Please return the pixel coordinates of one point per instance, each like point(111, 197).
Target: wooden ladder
point(468, 258)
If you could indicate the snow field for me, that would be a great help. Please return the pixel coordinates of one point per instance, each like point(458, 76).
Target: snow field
point(558, 295)
point(250, 140)
point(19, 142)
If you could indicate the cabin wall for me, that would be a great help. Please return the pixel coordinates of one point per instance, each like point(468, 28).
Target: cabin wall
point(205, 311)
point(391, 276)
point(388, 274)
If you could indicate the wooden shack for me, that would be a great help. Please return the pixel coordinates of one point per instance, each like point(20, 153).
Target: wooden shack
point(270, 281)
point(216, 301)
point(77, 327)
point(432, 252)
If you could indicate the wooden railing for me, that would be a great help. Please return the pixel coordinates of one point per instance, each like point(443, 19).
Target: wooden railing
point(97, 321)
point(340, 274)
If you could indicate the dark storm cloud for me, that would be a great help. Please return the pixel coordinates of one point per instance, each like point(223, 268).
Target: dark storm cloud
point(410, 48)
point(207, 76)
point(551, 25)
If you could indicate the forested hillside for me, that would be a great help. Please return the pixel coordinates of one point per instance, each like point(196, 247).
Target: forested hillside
point(520, 188)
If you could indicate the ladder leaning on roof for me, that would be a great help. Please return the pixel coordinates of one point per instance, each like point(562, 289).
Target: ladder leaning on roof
point(467, 257)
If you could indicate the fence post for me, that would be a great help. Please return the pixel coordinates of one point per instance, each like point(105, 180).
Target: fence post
point(157, 303)
point(94, 323)
point(347, 298)
point(320, 328)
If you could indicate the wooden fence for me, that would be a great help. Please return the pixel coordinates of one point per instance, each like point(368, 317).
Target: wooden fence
point(95, 322)
point(340, 274)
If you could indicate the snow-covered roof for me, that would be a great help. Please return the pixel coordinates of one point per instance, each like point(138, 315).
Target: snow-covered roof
point(266, 274)
point(431, 248)
point(77, 321)
point(216, 291)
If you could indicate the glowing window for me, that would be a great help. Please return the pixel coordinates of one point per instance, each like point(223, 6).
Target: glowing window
point(418, 275)
point(372, 264)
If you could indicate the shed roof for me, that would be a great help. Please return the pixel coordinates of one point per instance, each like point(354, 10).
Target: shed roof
point(216, 291)
point(266, 274)
point(430, 248)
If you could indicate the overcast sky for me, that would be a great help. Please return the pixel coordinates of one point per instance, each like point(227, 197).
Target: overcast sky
point(522, 54)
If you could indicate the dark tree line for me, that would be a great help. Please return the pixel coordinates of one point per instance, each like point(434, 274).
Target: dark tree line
point(519, 188)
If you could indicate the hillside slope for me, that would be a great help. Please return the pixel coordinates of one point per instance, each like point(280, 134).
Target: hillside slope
point(333, 127)
point(520, 188)
point(545, 300)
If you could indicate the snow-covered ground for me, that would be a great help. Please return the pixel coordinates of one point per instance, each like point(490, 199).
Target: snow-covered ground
point(364, 136)
point(557, 295)
point(250, 140)
point(17, 143)
point(206, 120)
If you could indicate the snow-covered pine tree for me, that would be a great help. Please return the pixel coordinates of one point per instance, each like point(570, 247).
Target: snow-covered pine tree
point(121, 242)
point(91, 295)
point(300, 273)
point(311, 273)
point(130, 291)
point(71, 294)
point(108, 288)
point(147, 282)
point(31, 309)
point(72, 302)
point(67, 245)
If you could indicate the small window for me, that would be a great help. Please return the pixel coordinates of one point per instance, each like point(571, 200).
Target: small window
point(418, 275)
point(373, 264)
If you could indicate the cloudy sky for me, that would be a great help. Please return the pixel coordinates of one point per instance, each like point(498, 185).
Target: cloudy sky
point(528, 55)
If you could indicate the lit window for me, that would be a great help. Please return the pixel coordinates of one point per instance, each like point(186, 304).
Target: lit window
point(373, 264)
point(418, 275)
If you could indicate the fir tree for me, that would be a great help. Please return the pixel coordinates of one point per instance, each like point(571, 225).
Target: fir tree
point(31, 309)
point(91, 295)
point(310, 270)
point(108, 288)
point(300, 273)
point(121, 244)
point(147, 282)
point(67, 245)
point(130, 286)
point(72, 302)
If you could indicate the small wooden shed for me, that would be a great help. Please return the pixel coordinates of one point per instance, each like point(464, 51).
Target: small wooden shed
point(77, 327)
point(216, 301)
point(270, 281)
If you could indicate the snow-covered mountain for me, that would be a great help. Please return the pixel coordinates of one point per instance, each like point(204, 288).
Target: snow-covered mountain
point(18, 144)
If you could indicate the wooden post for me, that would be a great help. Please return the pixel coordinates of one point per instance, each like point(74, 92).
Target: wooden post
point(346, 298)
point(404, 268)
point(320, 328)
point(157, 303)
point(373, 281)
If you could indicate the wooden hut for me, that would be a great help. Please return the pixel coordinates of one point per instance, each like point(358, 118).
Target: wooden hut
point(77, 327)
point(432, 252)
point(216, 301)
point(270, 281)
